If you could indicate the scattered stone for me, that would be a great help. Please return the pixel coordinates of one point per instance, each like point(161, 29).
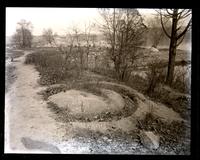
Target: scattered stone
point(105, 138)
point(107, 113)
point(113, 127)
point(153, 49)
point(96, 117)
point(100, 120)
point(149, 139)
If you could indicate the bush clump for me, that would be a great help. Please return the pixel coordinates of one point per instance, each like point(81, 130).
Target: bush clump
point(170, 133)
point(51, 65)
point(155, 75)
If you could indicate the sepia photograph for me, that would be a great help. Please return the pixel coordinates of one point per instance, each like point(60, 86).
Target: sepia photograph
point(98, 81)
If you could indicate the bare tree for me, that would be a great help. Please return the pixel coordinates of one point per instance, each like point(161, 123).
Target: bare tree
point(50, 38)
point(77, 34)
point(123, 29)
point(23, 36)
point(70, 41)
point(75, 49)
point(87, 37)
point(178, 18)
point(93, 39)
point(156, 30)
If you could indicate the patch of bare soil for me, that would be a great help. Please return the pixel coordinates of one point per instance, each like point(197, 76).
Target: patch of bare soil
point(26, 114)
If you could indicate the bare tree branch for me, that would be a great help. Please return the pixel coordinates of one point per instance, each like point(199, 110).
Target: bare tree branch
point(164, 26)
point(185, 30)
point(124, 30)
point(170, 14)
point(180, 41)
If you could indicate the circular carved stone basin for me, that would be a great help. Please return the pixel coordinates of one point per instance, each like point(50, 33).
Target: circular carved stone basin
point(84, 103)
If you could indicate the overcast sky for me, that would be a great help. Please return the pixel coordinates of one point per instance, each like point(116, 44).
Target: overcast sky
point(59, 19)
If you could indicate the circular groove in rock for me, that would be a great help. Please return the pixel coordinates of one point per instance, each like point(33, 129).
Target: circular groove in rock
point(80, 102)
point(76, 105)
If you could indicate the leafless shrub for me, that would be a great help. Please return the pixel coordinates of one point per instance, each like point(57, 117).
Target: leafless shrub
point(106, 72)
point(155, 75)
point(182, 79)
point(138, 83)
point(51, 66)
point(124, 30)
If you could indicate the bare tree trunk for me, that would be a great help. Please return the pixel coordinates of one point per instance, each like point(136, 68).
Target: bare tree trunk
point(87, 61)
point(95, 62)
point(172, 50)
point(87, 54)
point(23, 38)
point(113, 45)
point(175, 38)
point(157, 40)
point(81, 58)
point(117, 69)
point(171, 64)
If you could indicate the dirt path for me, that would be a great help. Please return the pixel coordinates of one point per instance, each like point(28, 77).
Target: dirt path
point(26, 115)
